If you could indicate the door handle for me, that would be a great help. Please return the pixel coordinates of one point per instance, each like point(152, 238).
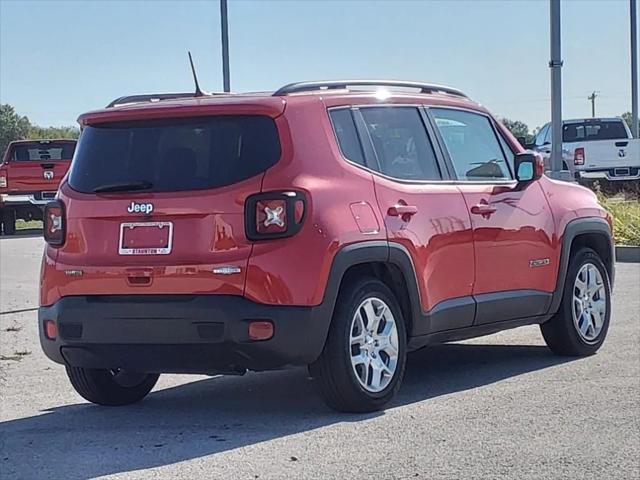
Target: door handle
point(402, 211)
point(483, 209)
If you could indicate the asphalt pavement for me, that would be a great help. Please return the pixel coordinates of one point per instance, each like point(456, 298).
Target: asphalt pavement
point(500, 406)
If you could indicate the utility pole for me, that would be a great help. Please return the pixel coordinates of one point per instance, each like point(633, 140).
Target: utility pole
point(592, 97)
point(634, 68)
point(555, 64)
point(224, 29)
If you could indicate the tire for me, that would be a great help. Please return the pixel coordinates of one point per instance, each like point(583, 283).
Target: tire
point(562, 332)
point(111, 388)
point(9, 221)
point(341, 383)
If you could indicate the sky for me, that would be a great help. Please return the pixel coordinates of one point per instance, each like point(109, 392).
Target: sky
point(61, 58)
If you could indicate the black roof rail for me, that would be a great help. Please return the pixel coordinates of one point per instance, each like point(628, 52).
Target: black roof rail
point(345, 84)
point(156, 97)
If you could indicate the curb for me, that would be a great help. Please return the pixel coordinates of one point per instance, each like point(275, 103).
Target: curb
point(625, 253)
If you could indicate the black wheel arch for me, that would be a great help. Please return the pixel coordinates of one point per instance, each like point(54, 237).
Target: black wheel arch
point(387, 261)
point(592, 232)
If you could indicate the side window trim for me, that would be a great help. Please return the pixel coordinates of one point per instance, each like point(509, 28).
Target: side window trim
point(447, 155)
point(504, 143)
point(446, 171)
point(370, 156)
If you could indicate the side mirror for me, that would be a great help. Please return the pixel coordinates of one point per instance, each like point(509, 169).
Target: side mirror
point(528, 166)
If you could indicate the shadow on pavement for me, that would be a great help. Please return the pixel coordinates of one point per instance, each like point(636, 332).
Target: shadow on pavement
point(222, 413)
point(26, 233)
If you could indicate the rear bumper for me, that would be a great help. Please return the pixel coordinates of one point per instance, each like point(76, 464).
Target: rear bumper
point(611, 174)
point(39, 199)
point(179, 333)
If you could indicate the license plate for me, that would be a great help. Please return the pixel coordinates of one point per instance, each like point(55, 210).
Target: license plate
point(145, 238)
point(621, 172)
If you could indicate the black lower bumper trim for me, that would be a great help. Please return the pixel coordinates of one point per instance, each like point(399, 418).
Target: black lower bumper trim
point(179, 333)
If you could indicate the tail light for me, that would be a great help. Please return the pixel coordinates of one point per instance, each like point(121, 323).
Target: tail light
point(274, 215)
point(54, 223)
point(578, 156)
point(3, 180)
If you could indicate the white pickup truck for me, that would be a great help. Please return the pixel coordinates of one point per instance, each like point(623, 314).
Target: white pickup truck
point(594, 149)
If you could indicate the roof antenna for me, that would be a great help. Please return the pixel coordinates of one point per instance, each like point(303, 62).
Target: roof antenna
point(199, 93)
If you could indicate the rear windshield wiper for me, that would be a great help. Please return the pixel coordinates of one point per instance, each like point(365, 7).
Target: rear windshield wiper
point(123, 187)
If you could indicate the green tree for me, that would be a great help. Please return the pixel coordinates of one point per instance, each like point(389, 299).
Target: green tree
point(49, 133)
point(518, 129)
point(12, 126)
point(16, 127)
point(626, 116)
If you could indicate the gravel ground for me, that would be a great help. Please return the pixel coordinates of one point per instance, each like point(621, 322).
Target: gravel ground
point(500, 406)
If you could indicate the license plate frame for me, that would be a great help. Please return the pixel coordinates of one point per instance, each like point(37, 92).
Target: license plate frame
point(122, 250)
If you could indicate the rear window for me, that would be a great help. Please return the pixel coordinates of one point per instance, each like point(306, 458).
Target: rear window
point(174, 155)
point(593, 130)
point(43, 151)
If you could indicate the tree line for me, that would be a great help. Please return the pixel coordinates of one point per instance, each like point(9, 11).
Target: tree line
point(14, 126)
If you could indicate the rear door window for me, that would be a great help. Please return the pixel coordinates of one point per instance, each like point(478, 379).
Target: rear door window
point(345, 129)
point(472, 144)
point(174, 155)
point(47, 151)
point(401, 143)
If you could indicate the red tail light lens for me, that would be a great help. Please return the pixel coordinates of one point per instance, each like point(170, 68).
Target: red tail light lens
point(260, 330)
point(54, 223)
point(274, 215)
point(50, 329)
point(578, 156)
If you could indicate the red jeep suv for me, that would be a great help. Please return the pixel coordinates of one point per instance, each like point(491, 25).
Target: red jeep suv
point(334, 224)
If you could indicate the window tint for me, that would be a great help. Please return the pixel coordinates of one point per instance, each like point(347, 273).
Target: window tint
point(348, 140)
point(593, 130)
point(175, 155)
point(401, 143)
point(472, 145)
point(43, 151)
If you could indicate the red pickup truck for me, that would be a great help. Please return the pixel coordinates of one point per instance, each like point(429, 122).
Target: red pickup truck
point(30, 173)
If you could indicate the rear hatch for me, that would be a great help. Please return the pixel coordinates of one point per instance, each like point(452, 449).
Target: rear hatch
point(157, 205)
point(37, 166)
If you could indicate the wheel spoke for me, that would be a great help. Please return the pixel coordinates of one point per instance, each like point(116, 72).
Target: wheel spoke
point(585, 322)
point(376, 373)
point(577, 307)
point(359, 359)
point(597, 291)
point(387, 345)
point(580, 285)
point(598, 311)
point(359, 324)
point(370, 315)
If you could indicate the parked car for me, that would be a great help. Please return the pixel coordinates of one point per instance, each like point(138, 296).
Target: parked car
point(335, 224)
point(595, 149)
point(30, 173)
